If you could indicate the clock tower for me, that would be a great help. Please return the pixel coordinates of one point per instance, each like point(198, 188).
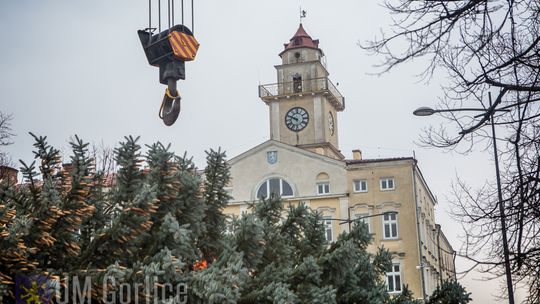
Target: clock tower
point(304, 102)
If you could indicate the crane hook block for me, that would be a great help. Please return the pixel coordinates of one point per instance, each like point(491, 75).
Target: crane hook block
point(169, 50)
point(159, 51)
point(184, 46)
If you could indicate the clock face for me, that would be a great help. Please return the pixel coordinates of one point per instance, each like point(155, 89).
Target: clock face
point(331, 123)
point(296, 119)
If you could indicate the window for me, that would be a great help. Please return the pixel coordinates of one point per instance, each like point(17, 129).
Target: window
point(422, 232)
point(229, 191)
point(393, 279)
point(360, 185)
point(229, 229)
point(275, 186)
point(387, 183)
point(297, 83)
point(390, 226)
point(323, 188)
point(328, 228)
point(363, 218)
point(243, 210)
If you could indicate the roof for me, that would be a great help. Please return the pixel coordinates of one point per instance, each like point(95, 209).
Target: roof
point(375, 160)
point(301, 40)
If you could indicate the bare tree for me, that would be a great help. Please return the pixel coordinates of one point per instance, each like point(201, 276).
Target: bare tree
point(6, 138)
point(483, 46)
point(103, 157)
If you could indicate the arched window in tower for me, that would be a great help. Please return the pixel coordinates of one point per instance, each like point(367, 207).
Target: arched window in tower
point(297, 83)
point(274, 186)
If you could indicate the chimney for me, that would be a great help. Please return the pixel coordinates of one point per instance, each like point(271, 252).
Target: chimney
point(9, 174)
point(357, 154)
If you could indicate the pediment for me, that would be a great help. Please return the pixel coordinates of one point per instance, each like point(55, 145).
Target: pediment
point(284, 149)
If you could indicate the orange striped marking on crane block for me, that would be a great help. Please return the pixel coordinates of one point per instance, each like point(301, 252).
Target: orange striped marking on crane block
point(184, 46)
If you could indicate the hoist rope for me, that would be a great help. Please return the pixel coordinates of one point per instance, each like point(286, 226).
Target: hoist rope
point(150, 16)
point(182, 12)
point(172, 12)
point(169, 14)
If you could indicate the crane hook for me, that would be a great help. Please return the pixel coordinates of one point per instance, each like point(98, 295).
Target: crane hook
point(170, 106)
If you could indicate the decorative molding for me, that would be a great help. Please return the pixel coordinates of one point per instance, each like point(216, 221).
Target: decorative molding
point(323, 177)
point(388, 204)
point(327, 209)
point(399, 254)
point(362, 206)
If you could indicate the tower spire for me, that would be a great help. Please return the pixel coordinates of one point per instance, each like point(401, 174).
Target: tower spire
point(301, 40)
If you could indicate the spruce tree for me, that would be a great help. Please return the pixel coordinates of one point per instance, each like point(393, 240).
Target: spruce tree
point(144, 224)
point(450, 292)
point(157, 221)
point(290, 261)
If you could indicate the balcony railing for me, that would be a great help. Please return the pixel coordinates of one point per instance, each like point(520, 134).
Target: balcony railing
point(301, 87)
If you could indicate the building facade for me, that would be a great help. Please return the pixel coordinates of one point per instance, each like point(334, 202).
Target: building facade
point(303, 164)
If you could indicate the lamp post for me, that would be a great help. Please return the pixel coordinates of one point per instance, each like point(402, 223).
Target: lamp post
point(426, 111)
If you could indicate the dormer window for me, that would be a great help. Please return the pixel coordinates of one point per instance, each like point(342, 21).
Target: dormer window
point(274, 186)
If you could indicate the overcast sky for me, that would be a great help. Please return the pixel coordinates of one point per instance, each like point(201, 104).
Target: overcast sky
point(77, 67)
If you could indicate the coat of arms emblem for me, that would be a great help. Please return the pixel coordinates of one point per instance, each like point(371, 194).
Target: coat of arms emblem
point(271, 157)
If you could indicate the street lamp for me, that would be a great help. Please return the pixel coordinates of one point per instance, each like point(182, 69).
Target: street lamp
point(426, 111)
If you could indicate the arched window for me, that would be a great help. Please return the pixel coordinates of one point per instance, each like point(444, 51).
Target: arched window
point(297, 83)
point(323, 184)
point(276, 186)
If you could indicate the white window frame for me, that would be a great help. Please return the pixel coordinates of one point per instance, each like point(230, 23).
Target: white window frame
point(328, 225)
point(243, 210)
point(366, 220)
point(267, 184)
point(385, 180)
point(390, 222)
point(391, 275)
point(229, 191)
point(360, 182)
point(422, 231)
point(228, 225)
point(325, 187)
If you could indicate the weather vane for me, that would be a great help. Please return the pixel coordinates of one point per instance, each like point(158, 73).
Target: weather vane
point(303, 14)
